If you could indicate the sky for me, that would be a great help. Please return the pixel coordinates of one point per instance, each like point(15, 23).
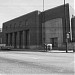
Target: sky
point(10, 9)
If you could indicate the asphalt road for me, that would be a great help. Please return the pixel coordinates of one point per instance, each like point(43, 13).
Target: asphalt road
point(37, 63)
point(14, 67)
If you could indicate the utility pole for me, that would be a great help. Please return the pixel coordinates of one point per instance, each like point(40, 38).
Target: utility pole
point(43, 24)
point(65, 27)
point(45, 45)
point(43, 5)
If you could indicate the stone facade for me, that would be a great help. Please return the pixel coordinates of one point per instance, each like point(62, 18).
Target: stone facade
point(23, 32)
point(54, 25)
point(53, 30)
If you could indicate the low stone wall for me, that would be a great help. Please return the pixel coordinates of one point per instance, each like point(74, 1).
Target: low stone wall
point(71, 46)
point(35, 47)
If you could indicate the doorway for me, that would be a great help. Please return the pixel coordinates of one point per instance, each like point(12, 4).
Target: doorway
point(54, 42)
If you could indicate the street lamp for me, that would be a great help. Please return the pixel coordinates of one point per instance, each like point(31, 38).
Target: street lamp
point(67, 37)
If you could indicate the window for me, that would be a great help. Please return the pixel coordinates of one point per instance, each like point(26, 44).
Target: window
point(20, 23)
point(14, 25)
point(6, 27)
point(26, 22)
point(10, 25)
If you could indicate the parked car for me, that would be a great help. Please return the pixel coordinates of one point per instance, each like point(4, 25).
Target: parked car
point(4, 47)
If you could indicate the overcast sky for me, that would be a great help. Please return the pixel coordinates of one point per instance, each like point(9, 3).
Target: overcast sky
point(10, 9)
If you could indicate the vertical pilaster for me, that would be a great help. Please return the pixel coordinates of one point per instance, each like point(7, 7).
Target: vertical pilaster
point(6, 39)
point(18, 39)
point(9, 39)
point(23, 39)
point(13, 39)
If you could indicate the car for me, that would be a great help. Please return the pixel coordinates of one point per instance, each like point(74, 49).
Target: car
point(4, 47)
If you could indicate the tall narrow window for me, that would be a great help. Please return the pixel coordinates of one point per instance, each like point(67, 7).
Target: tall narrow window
point(10, 25)
point(14, 25)
point(6, 27)
point(26, 22)
point(20, 23)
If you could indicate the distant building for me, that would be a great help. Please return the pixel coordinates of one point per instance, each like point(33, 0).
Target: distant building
point(0, 29)
point(36, 28)
point(1, 35)
point(73, 29)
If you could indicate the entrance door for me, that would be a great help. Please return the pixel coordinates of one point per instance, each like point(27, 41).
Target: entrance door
point(27, 39)
point(54, 42)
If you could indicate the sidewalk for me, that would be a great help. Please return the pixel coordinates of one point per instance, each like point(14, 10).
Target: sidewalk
point(37, 50)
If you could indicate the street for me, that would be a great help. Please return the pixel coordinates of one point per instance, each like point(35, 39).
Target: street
point(23, 62)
